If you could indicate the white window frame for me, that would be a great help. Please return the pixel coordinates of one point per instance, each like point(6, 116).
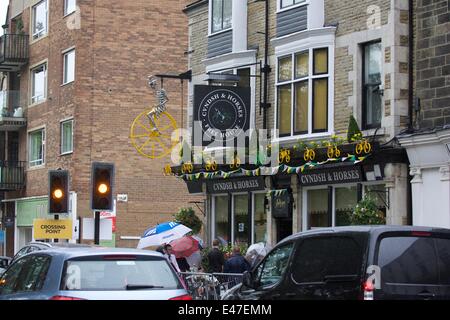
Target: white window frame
point(210, 20)
point(67, 13)
point(296, 5)
point(34, 163)
point(40, 34)
point(61, 125)
point(65, 56)
point(309, 78)
point(33, 100)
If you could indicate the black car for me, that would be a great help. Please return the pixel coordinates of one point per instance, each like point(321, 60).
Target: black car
point(379, 262)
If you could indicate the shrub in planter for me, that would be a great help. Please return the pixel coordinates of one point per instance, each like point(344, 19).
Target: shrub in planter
point(367, 213)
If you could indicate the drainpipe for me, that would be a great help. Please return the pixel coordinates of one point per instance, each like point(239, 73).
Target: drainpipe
point(411, 65)
point(266, 68)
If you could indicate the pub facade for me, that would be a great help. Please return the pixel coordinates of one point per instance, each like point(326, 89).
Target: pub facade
point(301, 69)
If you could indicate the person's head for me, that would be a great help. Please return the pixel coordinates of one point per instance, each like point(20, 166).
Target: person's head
point(216, 243)
point(236, 250)
point(168, 249)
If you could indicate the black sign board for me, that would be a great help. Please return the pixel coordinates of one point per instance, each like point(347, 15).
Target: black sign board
point(281, 206)
point(9, 222)
point(194, 187)
point(224, 113)
point(235, 185)
point(335, 175)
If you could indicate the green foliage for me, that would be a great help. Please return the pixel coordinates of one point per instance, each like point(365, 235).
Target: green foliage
point(367, 213)
point(353, 133)
point(187, 217)
point(19, 26)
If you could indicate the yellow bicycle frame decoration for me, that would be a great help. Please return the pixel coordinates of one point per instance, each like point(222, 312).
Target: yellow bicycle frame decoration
point(309, 154)
point(285, 156)
point(211, 166)
point(187, 168)
point(363, 146)
point(236, 163)
point(333, 152)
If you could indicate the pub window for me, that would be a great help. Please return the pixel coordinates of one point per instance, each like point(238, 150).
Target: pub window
point(302, 91)
point(221, 15)
point(260, 218)
point(221, 219)
point(372, 64)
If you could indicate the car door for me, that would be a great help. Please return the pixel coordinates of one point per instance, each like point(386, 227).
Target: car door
point(443, 253)
point(327, 267)
point(31, 278)
point(269, 275)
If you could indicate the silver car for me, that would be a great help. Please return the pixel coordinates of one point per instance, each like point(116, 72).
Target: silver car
point(93, 273)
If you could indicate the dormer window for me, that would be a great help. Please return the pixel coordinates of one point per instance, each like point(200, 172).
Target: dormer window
point(221, 14)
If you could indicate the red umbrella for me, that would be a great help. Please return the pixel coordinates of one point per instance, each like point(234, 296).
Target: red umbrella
point(184, 247)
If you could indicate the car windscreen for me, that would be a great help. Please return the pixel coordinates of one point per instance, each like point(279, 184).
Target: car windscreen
point(118, 273)
point(414, 260)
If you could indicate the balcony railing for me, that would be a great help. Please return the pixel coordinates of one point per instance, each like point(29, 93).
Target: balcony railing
point(13, 51)
point(11, 111)
point(12, 175)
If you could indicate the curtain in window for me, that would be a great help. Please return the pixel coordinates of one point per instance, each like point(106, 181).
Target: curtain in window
point(284, 109)
point(221, 218)
point(301, 65)
point(301, 107)
point(320, 107)
point(67, 143)
point(372, 81)
point(285, 69)
point(241, 227)
point(320, 61)
point(260, 226)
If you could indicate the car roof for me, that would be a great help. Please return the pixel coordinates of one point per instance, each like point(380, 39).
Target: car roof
point(74, 252)
point(364, 229)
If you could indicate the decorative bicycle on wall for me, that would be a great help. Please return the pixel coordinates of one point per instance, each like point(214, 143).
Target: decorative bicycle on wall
point(151, 131)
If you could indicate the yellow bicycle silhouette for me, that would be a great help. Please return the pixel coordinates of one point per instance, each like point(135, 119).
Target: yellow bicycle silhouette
point(187, 168)
point(363, 146)
point(211, 166)
point(236, 163)
point(309, 154)
point(285, 156)
point(333, 152)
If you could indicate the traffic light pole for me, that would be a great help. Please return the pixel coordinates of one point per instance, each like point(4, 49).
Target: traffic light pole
point(97, 228)
point(56, 218)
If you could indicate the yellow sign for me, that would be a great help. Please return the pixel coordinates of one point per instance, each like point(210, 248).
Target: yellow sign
point(52, 229)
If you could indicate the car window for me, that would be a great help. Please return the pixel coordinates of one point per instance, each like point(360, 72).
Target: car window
point(320, 257)
point(33, 274)
point(8, 281)
point(22, 252)
point(272, 269)
point(96, 274)
point(443, 249)
point(408, 260)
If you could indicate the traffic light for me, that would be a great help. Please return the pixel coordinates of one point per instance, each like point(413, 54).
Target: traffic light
point(102, 186)
point(58, 198)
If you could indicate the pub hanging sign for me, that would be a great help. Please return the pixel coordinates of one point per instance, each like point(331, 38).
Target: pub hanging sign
point(281, 205)
point(335, 175)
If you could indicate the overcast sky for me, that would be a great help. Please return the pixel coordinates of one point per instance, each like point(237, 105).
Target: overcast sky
point(3, 8)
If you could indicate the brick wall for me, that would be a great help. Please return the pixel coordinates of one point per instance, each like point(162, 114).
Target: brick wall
point(433, 62)
point(119, 45)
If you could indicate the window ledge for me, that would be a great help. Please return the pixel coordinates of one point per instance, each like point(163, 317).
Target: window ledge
point(219, 32)
point(69, 14)
point(33, 41)
point(37, 103)
point(304, 138)
point(66, 153)
point(371, 132)
point(67, 83)
point(34, 168)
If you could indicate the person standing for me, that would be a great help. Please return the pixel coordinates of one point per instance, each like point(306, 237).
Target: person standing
point(168, 252)
point(216, 259)
point(236, 263)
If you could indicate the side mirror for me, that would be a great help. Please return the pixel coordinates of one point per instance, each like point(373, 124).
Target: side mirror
point(247, 280)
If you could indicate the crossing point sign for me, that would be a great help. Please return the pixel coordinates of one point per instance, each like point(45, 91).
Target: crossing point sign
point(52, 229)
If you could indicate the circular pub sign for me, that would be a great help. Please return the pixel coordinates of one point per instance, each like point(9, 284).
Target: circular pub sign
point(222, 113)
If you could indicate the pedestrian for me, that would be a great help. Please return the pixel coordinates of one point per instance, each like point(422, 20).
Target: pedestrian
point(183, 264)
point(236, 263)
point(216, 259)
point(168, 252)
point(160, 249)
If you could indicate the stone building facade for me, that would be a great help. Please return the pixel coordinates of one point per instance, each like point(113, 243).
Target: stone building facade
point(349, 58)
point(116, 46)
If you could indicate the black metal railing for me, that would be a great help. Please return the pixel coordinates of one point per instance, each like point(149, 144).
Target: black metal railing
point(14, 48)
point(12, 175)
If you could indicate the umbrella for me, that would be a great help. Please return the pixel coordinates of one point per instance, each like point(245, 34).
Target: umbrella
point(195, 260)
point(184, 247)
point(257, 251)
point(162, 233)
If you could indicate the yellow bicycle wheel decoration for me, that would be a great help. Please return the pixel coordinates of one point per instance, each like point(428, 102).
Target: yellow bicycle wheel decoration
point(309, 155)
point(333, 152)
point(363, 146)
point(236, 163)
point(285, 156)
point(150, 141)
point(211, 165)
point(187, 168)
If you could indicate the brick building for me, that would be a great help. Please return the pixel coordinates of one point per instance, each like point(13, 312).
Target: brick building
point(327, 60)
point(428, 140)
point(74, 79)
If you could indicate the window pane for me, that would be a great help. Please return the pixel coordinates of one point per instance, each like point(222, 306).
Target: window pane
point(378, 194)
point(40, 20)
point(33, 274)
point(301, 65)
point(38, 83)
point(318, 208)
point(245, 77)
point(286, 3)
point(70, 6)
point(241, 227)
point(321, 257)
point(373, 63)
point(36, 148)
point(221, 218)
point(346, 200)
point(285, 69)
point(217, 15)
point(260, 218)
point(284, 109)
point(320, 61)
point(11, 277)
point(67, 137)
point(69, 67)
point(408, 260)
point(301, 107)
point(320, 107)
point(275, 265)
point(443, 247)
point(227, 14)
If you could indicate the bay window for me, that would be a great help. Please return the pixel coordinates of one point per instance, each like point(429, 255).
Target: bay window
point(302, 91)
